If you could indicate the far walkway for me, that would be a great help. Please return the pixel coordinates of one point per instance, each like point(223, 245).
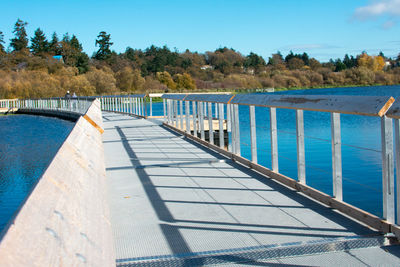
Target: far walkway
point(175, 203)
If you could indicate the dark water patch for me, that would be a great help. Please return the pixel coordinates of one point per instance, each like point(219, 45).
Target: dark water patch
point(27, 146)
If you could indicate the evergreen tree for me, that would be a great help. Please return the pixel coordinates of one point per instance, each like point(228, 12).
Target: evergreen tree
point(254, 61)
point(75, 43)
point(382, 55)
point(82, 62)
point(71, 51)
point(305, 58)
point(350, 62)
point(130, 53)
point(39, 43)
point(289, 56)
point(1, 42)
point(339, 65)
point(104, 43)
point(54, 45)
point(20, 42)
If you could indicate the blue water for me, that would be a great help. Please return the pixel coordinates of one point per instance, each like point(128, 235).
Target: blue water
point(361, 145)
point(27, 146)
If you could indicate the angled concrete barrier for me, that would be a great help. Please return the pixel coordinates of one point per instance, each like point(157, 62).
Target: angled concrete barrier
point(65, 220)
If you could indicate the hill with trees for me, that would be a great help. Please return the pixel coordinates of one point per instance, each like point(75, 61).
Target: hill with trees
point(42, 67)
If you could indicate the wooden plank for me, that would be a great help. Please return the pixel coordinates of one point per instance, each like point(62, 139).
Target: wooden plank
point(394, 110)
point(359, 105)
point(214, 98)
point(174, 96)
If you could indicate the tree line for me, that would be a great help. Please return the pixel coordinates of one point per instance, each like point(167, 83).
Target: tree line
point(44, 67)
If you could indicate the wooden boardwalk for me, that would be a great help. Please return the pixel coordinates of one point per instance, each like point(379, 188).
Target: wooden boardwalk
point(176, 203)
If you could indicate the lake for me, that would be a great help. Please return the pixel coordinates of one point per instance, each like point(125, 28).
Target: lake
point(27, 146)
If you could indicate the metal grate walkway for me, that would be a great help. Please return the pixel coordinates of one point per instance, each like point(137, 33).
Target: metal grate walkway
point(175, 203)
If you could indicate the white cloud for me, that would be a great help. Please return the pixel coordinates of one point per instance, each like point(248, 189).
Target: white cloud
point(378, 8)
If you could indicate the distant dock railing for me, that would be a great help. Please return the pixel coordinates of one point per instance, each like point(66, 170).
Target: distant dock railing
point(194, 108)
point(72, 107)
point(127, 104)
point(6, 104)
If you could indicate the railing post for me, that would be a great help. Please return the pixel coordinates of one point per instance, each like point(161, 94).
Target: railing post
point(151, 107)
point(187, 113)
point(229, 126)
point(397, 140)
point(139, 101)
point(301, 165)
point(143, 107)
point(253, 133)
point(210, 124)
point(194, 118)
point(170, 111)
point(176, 113)
point(169, 118)
point(221, 124)
point(336, 156)
point(387, 169)
point(181, 114)
point(274, 140)
point(237, 129)
point(135, 111)
point(201, 122)
point(164, 108)
point(172, 102)
point(126, 104)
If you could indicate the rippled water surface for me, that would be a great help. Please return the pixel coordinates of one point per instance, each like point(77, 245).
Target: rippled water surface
point(27, 146)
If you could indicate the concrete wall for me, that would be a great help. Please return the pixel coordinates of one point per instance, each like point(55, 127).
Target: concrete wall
point(65, 220)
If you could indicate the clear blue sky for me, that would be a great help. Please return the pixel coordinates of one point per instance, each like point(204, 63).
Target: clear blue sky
point(323, 28)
